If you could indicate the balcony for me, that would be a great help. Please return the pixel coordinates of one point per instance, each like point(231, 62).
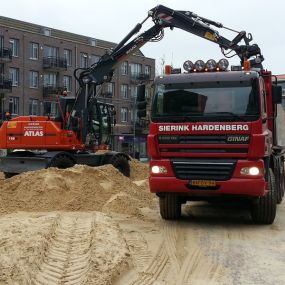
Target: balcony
point(49, 90)
point(141, 127)
point(107, 94)
point(5, 84)
point(54, 63)
point(5, 55)
point(135, 77)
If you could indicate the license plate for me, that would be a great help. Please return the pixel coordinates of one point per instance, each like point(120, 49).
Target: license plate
point(203, 183)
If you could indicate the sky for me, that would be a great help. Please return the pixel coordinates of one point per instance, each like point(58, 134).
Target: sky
point(112, 20)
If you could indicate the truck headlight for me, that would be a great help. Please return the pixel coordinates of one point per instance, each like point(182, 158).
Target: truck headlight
point(250, 171)
point(158, 169)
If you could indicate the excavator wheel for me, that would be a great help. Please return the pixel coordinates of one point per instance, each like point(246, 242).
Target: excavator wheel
point(61, 161)
point(122, 164)
point(264, 210)
point(9, 175)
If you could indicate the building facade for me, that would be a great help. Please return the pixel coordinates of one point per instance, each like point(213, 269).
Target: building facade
point(37, 64)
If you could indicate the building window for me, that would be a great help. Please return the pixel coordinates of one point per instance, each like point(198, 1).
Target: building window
point(147, 70)
point(50, 51)
point(50, 79)
point(14, 105)
point(34, 51)
point(33, 106)
point(134, 90)
point(124, 91)
point(14, 73)
point(67, 82)
point(14, 43)
point(83, 60)
point(136, 69)
point(94, 58)
point(124, 115)
point(34, 79)
point(50, 108)
point(124, 68)
point(68, 56)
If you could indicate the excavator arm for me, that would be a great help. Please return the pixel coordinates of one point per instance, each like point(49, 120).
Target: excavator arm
point(163, 17)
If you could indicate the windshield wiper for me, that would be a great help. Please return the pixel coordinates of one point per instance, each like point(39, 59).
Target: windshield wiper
point(228, 113)
point(175, 118)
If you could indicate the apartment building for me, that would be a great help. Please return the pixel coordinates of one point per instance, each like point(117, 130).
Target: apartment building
point(37, 64)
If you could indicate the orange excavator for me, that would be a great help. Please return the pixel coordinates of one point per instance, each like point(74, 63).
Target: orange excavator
point(36, 142)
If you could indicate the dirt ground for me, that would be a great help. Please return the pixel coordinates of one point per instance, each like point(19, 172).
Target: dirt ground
point(88, 225)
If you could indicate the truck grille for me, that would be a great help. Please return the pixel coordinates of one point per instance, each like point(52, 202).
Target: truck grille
point(203, 139)
point(208, 169)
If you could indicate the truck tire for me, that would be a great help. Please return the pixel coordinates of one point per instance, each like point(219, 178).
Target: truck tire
point(264, 210)
point(61, 161)
point(170, 207)
point(122, 164)
point(281, 184)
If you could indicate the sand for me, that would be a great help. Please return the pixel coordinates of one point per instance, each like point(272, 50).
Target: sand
point(87, 225)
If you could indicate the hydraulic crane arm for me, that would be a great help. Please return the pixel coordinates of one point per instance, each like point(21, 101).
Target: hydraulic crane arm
point(162, 17)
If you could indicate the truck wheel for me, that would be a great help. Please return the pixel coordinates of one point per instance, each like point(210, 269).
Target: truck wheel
point(170, 207)
point(280, 192)
point(264, 210)
point(122, 164)
point(62, 161)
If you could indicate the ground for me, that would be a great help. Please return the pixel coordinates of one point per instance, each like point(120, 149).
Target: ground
point(89, 225)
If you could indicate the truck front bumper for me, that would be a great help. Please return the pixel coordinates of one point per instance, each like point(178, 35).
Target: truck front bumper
point(236, 184)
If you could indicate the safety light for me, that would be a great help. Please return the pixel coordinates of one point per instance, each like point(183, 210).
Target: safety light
point(246, 65)
point(253, 171)
point(158, 169)
point(199, 65)
point(167, 69)
point(211, 65)
point(188, 65)
point(223, 64)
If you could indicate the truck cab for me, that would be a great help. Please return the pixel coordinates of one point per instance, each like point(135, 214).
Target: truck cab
point(213, 135)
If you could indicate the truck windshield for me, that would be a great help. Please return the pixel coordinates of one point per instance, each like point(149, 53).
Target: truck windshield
point(206, 101)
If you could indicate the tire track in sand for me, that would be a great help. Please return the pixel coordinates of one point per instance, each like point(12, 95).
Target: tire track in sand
point(66, 259)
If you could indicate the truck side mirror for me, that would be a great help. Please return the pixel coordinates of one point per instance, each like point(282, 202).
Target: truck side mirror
point(141, 102)
point(276, 94)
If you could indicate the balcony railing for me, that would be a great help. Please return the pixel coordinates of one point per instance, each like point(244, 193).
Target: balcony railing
point(5, 55)
point(140, 76)
point(141, 127)
point(52, 90)
point(107, 94)
point(54, 63)
point(5, 83)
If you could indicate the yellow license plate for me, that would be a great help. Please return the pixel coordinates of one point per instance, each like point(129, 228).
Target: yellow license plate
point(203, 183)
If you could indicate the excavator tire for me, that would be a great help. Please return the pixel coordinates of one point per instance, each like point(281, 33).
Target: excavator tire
point(264, 210)
point(9, 175)
point(122, 164)
point(170, 207)
point(62, 161)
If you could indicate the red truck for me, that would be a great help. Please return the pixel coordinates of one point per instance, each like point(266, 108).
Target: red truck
point(213, 135)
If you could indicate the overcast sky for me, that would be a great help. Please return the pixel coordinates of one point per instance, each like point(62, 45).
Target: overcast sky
point(111, 20)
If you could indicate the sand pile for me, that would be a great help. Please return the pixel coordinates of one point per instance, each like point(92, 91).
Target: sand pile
point(80, 188)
